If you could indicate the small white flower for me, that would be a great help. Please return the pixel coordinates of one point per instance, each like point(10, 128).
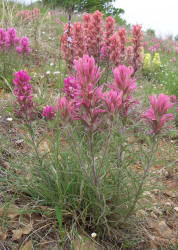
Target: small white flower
point(56, 72)
point(43, 32)
point(50, 38)
point(69, 39)
point(48, 72)
point(51, 64)
point(9, 119)
point(93, 235)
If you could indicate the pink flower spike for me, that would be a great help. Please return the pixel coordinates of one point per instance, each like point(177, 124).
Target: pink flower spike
point(87, 71)
point(123, 81)
point(48, 112)
point(173, 98)
point(24, 46)
point(3, 39)
point(157, 114)
point(70, 87)
point(65, 108)
point(21, 78)
point(23, 92)
point(113, 100)
point(12, 37)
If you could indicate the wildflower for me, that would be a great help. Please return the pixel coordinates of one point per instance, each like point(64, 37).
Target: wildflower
point(173, 98)
point(23, 92)
point(70, 87)
point(90, 106)
point(147, 61)
point(176, 50)
point(3, 39)
point(78, 40)
point(123, 81)
point(86, 26)
point(114, 48)
point(168, 51)
point(157, 114)
point(48, 112)
point(113, 100)
point(129, 55)
point(87, 71)
point(156, 61)
point(174, 59)
point(95, 35)
point(125, 84)
point(104, 52)
point(64, 107)
point(109, 31)
point(9, 119)
point(93, 235)
point(123, 40)
point(137, 47)
point(21, 78)
point(24, 46)
point(67, 45)
point(12, 37)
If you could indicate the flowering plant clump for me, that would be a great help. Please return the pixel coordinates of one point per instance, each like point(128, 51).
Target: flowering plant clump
point(90, 126)
point(48, 112)
point(3, 39)
point(147, 62)
point(10, 40)
point(99, 39)
point(13, 52)
point(156, 61)
point(13, 39)
point(23, 92)
point(29, 15)
point(24, 47)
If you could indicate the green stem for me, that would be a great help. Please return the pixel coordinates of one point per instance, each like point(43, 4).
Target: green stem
point(142, 181)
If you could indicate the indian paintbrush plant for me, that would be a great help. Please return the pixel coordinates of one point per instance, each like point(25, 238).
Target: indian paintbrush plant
point(89, 168)
point(100, 40)
point(13, 52)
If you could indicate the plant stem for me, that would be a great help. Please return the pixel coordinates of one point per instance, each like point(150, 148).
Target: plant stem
point(142, 181)
point(78, 155)
point(105, 149)
point(33, 140)
point(92, 157)
point(120, 156)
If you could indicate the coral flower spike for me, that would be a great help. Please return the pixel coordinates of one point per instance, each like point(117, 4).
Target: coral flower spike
point(157, 114)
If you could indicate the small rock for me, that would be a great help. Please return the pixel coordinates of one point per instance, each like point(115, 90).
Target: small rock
point(176, 209)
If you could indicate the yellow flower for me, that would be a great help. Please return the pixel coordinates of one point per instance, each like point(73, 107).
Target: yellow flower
point(147, 61)
point(156, 61)
point(142, 51)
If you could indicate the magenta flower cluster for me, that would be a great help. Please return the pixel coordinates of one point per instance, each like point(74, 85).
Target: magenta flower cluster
point(10, 40)
point(24, 47)
point(84, 100)
point(23, 92)
point(157, 114)
point(87, 102)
